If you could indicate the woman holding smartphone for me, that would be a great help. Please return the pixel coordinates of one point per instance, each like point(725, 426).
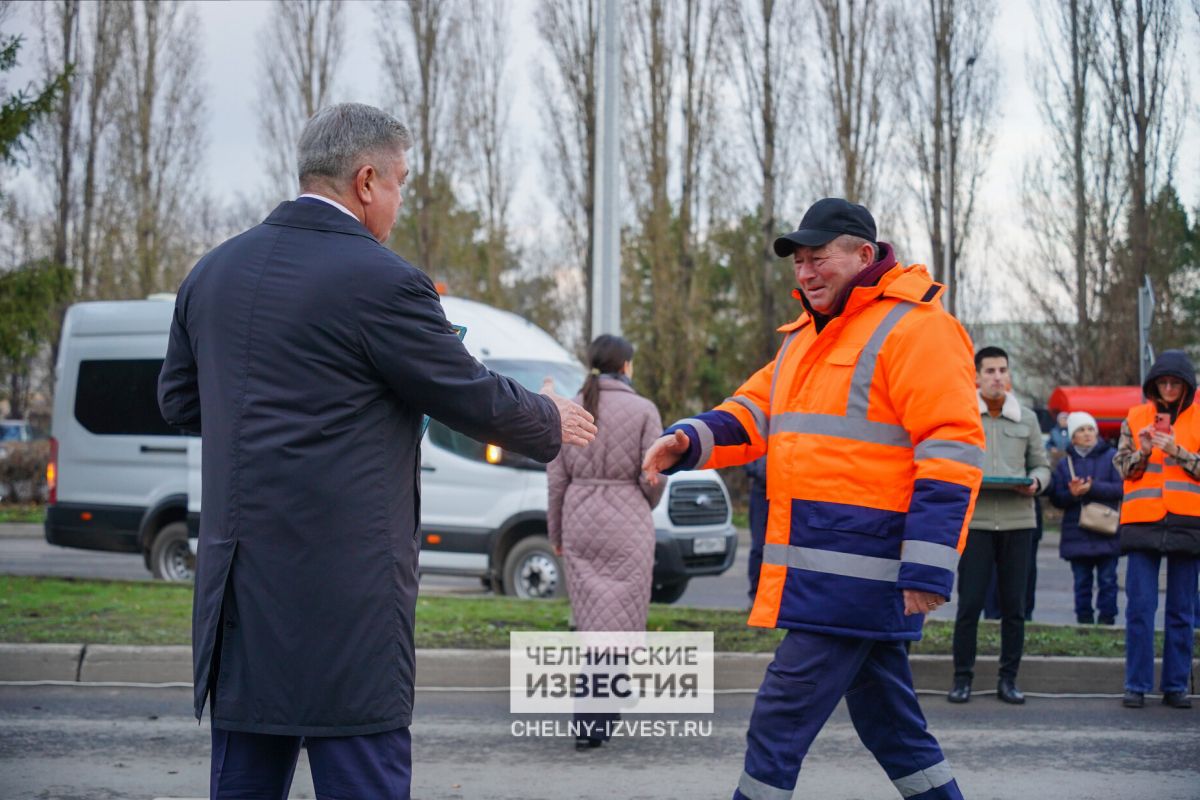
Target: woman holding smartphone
point(1160, 515)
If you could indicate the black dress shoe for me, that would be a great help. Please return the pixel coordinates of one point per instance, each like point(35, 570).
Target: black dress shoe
point(584, 743)
point(961, 692)
point(1176, 700)
point(1134, 699)
point(1007, 691)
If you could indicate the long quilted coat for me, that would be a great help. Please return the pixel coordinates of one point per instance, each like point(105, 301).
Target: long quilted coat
point(599, 513)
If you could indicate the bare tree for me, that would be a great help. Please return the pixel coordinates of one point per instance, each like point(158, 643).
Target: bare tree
point(60, 49)
point(98, 120)
point(570, 30)
point(949, 103)
point(302, 44)
point(487, 147)
point(1140, 44)
point(159, 142)
point(70, 144)
point(671, 68)
point(1072, 199)
point(771, 102)
point(857, 58)
point(420, 41)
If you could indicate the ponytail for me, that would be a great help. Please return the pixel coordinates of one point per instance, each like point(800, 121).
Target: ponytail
point(591, 393)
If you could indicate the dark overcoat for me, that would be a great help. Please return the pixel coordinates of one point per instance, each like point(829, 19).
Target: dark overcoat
point(1107, 488)
point(305, 354)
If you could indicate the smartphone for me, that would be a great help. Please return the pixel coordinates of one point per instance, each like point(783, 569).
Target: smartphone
point(1162, 423)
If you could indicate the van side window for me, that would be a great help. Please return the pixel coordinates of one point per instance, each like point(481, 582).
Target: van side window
point(120, 398)
point(455, 442)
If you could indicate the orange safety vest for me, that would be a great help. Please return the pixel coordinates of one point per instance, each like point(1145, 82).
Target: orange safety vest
point(874, 450)
point(1164, 486)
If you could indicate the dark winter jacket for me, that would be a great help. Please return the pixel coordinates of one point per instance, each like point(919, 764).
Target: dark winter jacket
point(1106, 488)
point(1174, 533)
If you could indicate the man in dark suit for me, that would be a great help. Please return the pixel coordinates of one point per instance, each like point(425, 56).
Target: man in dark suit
point(305, 353)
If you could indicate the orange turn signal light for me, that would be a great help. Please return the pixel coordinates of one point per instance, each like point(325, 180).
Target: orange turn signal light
point(86, 516)
point(433, 538)
point(492, 454)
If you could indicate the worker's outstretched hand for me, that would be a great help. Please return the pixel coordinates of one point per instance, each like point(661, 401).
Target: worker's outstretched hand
point(664, 454)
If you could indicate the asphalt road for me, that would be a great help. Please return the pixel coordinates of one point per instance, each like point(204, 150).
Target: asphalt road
point(23, 551)
point(94, 743)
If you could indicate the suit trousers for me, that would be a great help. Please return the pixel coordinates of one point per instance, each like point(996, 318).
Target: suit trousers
point(810, 674)
point(259, 766)
point(1008, 551)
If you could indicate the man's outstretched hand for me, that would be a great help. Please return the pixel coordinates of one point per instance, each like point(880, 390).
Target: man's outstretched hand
point(578, 426)
point(664, 454)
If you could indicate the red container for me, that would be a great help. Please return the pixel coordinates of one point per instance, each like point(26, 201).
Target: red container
point(1108, 404)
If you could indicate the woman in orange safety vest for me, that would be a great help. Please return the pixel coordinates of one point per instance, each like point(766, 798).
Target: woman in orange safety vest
point(1160, 515)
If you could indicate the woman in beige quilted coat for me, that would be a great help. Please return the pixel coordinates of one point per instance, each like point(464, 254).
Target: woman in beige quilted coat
point(599, 505)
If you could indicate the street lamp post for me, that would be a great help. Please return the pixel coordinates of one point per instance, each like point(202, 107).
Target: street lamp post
point(606, 229)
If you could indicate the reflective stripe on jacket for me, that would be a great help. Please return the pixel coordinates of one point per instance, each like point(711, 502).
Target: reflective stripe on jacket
point(1164, 486)
point(874, 450)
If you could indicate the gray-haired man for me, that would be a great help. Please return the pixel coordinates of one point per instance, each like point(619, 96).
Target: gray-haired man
point(305, 354)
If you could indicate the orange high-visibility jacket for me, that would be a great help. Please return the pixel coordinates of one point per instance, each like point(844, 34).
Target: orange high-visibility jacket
point(874, 449)
point(1164, 486)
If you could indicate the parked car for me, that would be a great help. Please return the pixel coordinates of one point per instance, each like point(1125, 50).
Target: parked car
point(12, 431)
point(126, 481)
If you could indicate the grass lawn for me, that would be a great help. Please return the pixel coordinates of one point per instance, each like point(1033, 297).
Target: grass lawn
point(22, 512)
point(130, 612)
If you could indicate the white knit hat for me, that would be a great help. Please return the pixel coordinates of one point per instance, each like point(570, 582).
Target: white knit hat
point(1077, 419)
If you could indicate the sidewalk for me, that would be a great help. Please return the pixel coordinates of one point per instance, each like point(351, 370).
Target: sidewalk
point(488, 669)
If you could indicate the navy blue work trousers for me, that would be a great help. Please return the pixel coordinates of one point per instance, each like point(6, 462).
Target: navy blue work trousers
point(1141, 593)
point(1105, 569)
point(810, 674)
point(259, 766)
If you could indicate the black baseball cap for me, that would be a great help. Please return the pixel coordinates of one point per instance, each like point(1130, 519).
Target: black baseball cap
point(826, 220)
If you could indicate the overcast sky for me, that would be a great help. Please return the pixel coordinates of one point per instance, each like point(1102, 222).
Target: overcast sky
point(230, 32)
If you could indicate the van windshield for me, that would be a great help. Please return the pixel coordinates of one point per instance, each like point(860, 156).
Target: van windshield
point(568, 378)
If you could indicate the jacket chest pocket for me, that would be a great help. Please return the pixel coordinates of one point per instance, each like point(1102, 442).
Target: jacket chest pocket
point(824, 388)
point(1013, 441)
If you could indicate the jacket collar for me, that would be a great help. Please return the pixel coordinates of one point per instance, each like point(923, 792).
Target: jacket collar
point(1011, 409)
point(609, 383)
point(316, 216)
point(912, 283)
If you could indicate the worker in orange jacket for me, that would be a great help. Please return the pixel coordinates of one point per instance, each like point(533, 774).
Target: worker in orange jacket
point(874, 447)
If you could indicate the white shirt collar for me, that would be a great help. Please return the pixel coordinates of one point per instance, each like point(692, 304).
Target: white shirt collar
point(331, 202)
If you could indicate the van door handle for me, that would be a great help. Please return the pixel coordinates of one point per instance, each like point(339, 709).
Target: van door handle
point(149, 449)
point(428, 468)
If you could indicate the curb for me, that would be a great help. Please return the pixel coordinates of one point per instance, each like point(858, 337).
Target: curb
point(488, 669)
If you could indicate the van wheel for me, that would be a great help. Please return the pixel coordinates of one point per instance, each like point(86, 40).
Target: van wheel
point(668, 592)
point(170, 557)
point(532, 571)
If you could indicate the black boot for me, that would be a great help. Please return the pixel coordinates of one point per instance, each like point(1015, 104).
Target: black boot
point(1133, 699)
point(1176, 700)
point(961, 692)
point(1007, 691)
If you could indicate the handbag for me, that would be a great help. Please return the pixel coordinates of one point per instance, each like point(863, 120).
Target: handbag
point(1096, 517)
